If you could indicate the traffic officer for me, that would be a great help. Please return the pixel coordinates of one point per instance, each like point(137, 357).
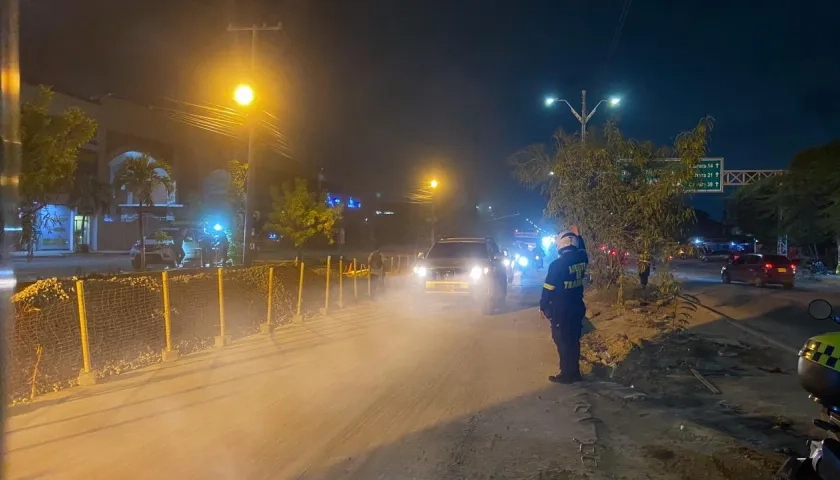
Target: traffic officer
point(562, 304)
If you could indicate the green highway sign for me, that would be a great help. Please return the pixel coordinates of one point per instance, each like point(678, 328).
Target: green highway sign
point(708, 176)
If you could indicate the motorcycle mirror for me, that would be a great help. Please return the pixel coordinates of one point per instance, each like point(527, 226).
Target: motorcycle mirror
point(820, 309)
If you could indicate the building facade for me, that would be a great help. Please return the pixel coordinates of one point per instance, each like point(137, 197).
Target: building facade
point(198, 160)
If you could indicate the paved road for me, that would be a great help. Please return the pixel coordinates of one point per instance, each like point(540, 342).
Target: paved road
point(781, 314)
point(389, 393)
point(384, 392)
point(70, 265)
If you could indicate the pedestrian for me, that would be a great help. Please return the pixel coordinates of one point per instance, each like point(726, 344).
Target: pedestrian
point(376, 267)
point(643, 266)
point(178, 244)
point(562, 304)
point(205, 242)
point(224, 247)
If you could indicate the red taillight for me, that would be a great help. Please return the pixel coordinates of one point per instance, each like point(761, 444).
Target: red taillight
point(768, 266)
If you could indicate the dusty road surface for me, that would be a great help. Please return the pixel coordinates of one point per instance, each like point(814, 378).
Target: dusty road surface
point(386, 393)
point(442, 392)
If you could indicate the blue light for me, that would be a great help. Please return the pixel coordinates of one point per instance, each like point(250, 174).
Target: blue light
point(217, 227)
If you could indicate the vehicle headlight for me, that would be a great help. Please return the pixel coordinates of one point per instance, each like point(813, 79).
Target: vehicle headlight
point(537, 257)
point(420, 271)
point(523, 262)
point(506, 262)
point(476, 273)
point(516, 255)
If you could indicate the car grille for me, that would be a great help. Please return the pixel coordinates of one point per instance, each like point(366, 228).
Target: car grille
point(443, 274)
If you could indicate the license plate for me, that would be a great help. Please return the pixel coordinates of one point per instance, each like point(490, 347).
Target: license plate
point(782, 270)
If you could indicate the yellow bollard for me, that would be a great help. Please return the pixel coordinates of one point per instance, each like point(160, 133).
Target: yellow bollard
point(326, 308)
point(368, 275)
point(298, 318)
point(168, 354)
point(355, 280)
point(391, 270)
point(340, 282)
point(399, 263)
point(265, 328)
point(223, 339)
point(86, 375)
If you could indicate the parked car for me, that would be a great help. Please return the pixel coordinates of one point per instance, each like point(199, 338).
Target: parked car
point(160, 248)
point(760, 270)
point(717, 256)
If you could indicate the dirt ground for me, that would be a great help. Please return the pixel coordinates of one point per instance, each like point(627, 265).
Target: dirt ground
point(656, 419)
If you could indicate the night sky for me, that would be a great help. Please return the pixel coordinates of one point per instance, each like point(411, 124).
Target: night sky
point(378, 91)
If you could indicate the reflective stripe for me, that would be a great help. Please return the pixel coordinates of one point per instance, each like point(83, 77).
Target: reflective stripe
point(548, 286)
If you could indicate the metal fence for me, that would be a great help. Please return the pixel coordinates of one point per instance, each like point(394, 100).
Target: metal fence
point(71, 331)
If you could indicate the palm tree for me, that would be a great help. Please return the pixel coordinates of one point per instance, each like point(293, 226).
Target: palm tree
point(90, 197)
point(141, 175)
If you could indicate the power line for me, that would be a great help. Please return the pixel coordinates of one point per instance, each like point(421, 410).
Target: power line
point(618, 31)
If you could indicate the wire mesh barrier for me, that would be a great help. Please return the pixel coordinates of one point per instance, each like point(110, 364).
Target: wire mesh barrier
point(193, 308)
point(70, 331)
point(45, 351)
point(124, 318)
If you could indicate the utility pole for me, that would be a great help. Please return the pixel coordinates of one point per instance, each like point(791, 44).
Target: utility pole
point(248, 246)
point(10, 160)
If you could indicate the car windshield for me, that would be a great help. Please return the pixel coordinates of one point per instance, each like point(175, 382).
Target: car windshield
point(458, 250)
point(776, 259)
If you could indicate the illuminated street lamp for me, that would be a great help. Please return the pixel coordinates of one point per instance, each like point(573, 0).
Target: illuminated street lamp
point(243, 95)
point(582, 117)
point(433, 183)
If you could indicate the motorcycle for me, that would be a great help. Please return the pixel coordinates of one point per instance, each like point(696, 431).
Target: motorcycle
point(818, 370)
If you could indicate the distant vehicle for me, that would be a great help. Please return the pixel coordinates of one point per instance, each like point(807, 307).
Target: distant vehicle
point(760, 270)
point(470, 268)
point(717, 256)
point(160, 248)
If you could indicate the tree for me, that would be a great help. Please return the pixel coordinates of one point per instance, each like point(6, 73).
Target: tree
point(300, 214)
point(141, 175)
point(90, 197)
point(802, 203)
point(236, 193)
point(50, 146)
point(621, 192)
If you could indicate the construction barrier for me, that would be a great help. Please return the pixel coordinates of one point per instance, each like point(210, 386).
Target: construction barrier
point(78, 331)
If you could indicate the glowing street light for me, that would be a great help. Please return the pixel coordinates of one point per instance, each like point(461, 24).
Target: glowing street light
point(582, 117)
point(244, 95)
point(433, 183)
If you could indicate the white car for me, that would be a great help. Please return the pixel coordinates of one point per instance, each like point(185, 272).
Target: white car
point(160, 248)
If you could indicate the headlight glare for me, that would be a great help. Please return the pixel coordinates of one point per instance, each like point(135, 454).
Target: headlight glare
point(476, 273)
point(420, 271)
point(523, 262)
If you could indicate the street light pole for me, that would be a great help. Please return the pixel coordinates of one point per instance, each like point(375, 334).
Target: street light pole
point(583, 117)
point(10, 160)
point(248, 222)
